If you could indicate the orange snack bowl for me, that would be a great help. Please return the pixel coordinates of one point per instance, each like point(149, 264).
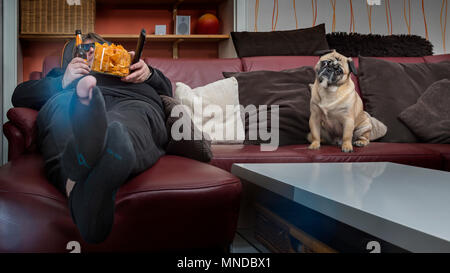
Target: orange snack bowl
point(111, 59)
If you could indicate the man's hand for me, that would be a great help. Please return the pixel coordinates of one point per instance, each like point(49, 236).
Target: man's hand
point(75, 69)
point(141, 72)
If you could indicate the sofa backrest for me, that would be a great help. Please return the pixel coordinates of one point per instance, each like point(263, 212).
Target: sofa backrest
point(195, 72)
point(50, 62)
point(277, 63)
point(199, 72)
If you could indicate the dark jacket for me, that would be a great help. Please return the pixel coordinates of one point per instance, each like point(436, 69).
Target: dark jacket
point(35, 93)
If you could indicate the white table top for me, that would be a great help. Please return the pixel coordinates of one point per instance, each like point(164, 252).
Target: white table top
point(406, 206)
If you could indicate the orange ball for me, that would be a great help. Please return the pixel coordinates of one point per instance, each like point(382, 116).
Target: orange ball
point(207, 24)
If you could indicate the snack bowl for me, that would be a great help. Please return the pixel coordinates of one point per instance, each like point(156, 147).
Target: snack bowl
point(111, 59)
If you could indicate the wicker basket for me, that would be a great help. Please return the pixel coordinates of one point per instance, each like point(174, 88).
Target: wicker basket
point(56, 16)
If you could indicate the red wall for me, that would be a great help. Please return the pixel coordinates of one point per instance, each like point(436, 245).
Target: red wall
point(126, 21)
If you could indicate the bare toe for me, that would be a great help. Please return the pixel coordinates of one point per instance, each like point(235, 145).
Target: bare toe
point(84, 89)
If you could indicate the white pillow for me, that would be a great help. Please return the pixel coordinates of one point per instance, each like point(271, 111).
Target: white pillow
point(215, 109)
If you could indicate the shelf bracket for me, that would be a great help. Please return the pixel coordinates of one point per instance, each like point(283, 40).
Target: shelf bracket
point(175, 48)
point(175, 10)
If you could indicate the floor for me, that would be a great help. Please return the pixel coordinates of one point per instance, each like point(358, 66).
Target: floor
point(244, 242)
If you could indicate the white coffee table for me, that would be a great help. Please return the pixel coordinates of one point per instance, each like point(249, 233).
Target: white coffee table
point(406, 206)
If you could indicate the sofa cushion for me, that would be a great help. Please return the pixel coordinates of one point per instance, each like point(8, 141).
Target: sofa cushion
point(225, 155)
point(177, 204)
point(429, 118)
point(388, 88)
point(194, 72)
point(280, 43)
point(197, 146)
point(277, 63)
point(403, 153)
point(392, 59)
point(287, 89)
point(355, 44)
point(403, 60)
point(220, 115)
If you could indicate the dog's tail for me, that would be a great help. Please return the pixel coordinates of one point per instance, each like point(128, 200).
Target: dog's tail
point(379, 130)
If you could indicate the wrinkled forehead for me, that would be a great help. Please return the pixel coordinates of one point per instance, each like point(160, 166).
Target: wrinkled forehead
point(334, 56)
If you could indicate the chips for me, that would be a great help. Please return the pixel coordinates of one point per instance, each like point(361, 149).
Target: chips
point(113, 59)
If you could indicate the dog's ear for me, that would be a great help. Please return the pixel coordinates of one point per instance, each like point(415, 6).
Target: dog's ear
point(351, 66)
point(323, 52)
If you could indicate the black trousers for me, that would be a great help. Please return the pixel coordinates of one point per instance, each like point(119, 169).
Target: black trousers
point(144, 123)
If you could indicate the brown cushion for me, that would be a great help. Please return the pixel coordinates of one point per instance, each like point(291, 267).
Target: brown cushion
point(289, 89)
point(429, 118)
point(302, 42)
point(388, 88)
point(195, 149)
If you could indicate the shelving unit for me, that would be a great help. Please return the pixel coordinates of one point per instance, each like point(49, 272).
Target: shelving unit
point(155, 2)
point(171, 5)
point(174, 39)
point(131, 37)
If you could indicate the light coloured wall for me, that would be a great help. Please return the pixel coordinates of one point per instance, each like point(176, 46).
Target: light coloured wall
point(10, 66)
point(286, 19)
point(1, 74)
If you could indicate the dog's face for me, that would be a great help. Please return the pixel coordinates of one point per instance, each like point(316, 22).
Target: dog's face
point(333, 69)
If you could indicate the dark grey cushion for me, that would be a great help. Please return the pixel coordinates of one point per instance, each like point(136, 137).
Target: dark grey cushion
point(195, 149)
point(299, 42)
point(289, 89)
point(429, 118)
point(388, 88)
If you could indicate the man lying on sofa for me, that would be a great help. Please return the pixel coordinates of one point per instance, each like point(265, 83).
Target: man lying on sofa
point(94, 131)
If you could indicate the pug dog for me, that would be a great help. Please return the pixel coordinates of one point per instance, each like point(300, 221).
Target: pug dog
point(337, 115)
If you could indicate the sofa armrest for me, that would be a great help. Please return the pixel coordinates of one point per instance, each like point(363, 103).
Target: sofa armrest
point(35, 75)
point(16, 141)
point(21, 130)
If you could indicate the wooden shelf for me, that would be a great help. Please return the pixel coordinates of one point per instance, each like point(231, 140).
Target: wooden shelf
point(115, 38)
point(170, 37)
point(156, 2)
point(120, 38)
point(131, 37)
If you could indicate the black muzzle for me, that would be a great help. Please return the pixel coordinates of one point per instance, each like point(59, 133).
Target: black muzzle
point(330, 72)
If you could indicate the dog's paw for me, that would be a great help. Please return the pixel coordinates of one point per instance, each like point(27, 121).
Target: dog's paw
point(347, 147)
point(361, 143)
point(314, 146)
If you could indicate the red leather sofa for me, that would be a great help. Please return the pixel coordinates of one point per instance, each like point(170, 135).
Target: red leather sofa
point(200, 72)
point(179, 203)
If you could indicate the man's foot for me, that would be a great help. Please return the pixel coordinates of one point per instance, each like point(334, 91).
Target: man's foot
point(92, 202)
point(88, 119)
point(84, 89)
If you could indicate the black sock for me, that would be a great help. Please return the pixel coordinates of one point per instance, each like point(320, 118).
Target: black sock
point(89, 129)
point(92, 201)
